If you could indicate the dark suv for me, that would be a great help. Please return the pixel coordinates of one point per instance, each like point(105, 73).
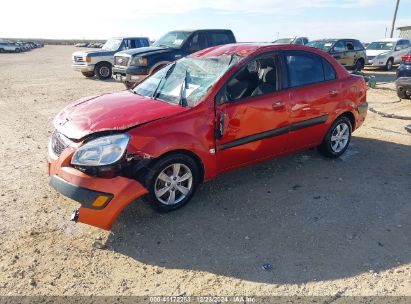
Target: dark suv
point(403, 81)
point(349, 52)
point(133, 66)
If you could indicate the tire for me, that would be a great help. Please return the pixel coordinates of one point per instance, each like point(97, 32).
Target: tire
point(389, 64)
point(337, 139)
point(402, 93)
point(103, 71)
point(129, 85)
point(1, 50)
point(88, 74)
point(17, 50)
point(163, 184)
point(359, 65)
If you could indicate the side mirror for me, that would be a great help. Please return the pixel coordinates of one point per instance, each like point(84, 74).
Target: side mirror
point(398, 48)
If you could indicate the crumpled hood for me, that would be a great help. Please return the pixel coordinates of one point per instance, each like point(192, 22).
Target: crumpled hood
point(149, 50)
point(117, 111)
point(376, 52)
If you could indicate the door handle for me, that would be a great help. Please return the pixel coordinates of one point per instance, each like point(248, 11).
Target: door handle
point(333, 92)
point(278, 105)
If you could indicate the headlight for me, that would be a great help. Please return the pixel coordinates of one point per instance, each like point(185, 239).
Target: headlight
point(102, 151)
point(138, 61)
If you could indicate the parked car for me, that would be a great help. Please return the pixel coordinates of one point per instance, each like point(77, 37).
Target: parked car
point(8, 46)
point(387, 52)
point(295, 40)
point(349, 52)
point(403, 82)
point(133, 66)
point(214, 111)
point(100, 62)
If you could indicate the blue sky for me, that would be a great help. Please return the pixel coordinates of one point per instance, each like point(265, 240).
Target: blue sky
point(251, 20)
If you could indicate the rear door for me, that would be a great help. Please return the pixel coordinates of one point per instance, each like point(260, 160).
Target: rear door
point(351, 53)
point(252, 114)
point(314, 93)
point(401, 49)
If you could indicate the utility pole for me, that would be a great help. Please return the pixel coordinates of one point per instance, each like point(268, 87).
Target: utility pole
point(395, 17)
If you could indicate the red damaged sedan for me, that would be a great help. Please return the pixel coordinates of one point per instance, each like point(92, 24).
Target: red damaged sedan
point(217, 110)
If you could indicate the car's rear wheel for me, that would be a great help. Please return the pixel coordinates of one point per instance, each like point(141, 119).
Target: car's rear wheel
point(171, 182)
point(337, 139)
point(88, 74)
point(389, 64)
point(17, 50)
point(402, 93)
point(359, 65)
point(103, 71)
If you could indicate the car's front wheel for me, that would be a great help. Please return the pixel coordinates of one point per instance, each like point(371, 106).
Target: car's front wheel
point(359, 65)
point(337, 139)
point(171, 182)
point(103, 71)
point(389, 64)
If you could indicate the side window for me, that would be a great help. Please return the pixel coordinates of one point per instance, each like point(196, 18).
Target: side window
point(358, 45)
point(143, 42)
point(350, 46)
point(407, 44)
point(258, 77)
point(197, 42)
point(218, 38)
point(329, 72)
point(304, 68)
point(339, 47)
point(298, 41)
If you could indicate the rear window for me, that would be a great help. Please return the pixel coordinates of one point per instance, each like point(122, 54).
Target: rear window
point(306, 68)
point(220, 38)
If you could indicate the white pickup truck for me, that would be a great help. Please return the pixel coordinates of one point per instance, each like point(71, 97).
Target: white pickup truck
point(100, 62)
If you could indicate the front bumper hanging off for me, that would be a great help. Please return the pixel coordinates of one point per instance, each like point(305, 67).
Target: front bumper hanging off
point(101, 199)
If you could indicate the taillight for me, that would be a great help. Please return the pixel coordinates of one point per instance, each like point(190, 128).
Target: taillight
point(406, 58)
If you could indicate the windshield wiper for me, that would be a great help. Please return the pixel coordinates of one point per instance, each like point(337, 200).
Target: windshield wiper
point(155, 93)
point(183, 91)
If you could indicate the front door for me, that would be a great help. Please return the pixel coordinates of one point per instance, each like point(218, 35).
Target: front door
point(252, 115)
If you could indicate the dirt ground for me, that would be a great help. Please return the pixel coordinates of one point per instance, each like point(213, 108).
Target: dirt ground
point(327, 227)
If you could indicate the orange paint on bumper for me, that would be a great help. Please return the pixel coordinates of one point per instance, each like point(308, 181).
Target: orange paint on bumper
point(124, 190)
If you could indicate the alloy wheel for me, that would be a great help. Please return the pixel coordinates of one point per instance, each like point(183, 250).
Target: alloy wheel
point(173, 184)
point(340, 137)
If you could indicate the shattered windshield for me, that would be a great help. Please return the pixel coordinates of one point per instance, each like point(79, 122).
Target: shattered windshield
point(186, 81)
point(172, 39)
point(112, 45)
point(324, 45)
point(383, 46)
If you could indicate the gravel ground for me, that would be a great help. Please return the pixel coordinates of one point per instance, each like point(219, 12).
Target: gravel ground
point(327, 227)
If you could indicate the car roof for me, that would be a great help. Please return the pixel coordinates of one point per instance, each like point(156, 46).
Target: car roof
point(130, 37)
point(390, 39)
point(246, 49)
point(196, 30)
